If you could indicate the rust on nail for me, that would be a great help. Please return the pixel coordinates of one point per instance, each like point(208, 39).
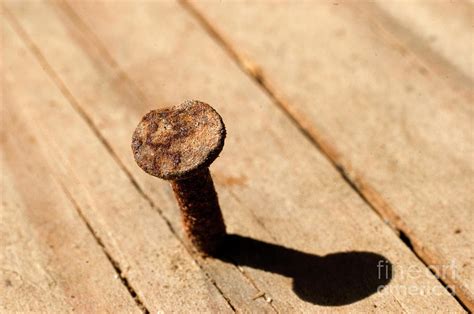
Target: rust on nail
point(179, 144)
point(201, 214)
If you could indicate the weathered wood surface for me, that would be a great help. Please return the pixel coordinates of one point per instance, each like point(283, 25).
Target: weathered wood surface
point(440, 32)
point(114, 62)
point(49, 259)
point(149, 256)
point(388, 117)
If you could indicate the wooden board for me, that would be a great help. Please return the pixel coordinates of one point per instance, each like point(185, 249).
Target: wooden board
point(49, 259)
point(440, 32)
point(274, 186)
point(154, 264)
point(388, 118)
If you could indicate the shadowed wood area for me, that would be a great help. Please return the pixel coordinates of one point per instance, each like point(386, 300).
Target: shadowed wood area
point(78, 77)
point(392, 117)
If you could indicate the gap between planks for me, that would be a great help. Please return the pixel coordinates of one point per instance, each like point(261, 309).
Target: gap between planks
point(115, 264)
point(370, 196)
point(68, 95)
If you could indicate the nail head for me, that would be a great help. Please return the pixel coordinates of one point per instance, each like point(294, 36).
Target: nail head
point(176, 143)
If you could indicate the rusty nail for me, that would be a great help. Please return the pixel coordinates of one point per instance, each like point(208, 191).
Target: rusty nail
point(178, 144)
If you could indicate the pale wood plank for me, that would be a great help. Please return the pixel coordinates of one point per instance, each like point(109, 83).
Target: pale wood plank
point(301, 201)
point(394, 126)
point(50, 261)
point(100, 75)
point(439, 31)
point(149, 256)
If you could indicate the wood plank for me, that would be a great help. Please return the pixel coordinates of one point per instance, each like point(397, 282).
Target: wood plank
point(50, 261)
point(439, 31)
point(393, 126)
point(148, 255)
point(301, 203)
point(113, 90)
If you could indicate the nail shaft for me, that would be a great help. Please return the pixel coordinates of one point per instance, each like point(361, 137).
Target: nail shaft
point(201, 214)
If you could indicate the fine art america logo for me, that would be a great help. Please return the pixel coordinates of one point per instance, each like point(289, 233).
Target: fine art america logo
point(409, 276)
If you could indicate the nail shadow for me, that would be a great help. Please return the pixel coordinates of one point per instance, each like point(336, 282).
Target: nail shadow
point(330, 280)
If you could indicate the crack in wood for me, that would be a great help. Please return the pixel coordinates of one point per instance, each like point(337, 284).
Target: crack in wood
point(115, 264)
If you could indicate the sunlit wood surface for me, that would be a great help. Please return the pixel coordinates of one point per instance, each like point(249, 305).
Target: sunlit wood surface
point(346, 179)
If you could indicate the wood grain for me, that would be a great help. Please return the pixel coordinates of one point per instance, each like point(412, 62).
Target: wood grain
point(438, 31)
point(393, 125)
point(50, 261)
point(273, 185)
point(148, 255)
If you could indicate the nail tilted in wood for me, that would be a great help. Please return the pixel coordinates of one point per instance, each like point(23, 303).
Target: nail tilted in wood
point(178, 144)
